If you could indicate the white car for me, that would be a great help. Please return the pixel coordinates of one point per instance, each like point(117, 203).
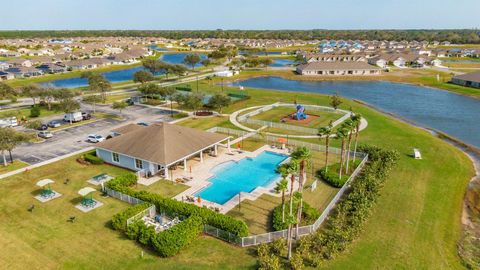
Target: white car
point(95, 138)
point(45, 134)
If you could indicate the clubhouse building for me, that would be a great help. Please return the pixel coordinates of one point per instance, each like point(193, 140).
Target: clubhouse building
point(341, 68)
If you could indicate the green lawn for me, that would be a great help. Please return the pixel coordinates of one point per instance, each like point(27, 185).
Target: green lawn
point(164, 187)
point(17, 164)
point(26, 113)
point(415, 224)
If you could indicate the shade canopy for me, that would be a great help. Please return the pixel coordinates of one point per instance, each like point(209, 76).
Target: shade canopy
point(281, 140)
point(86, 190)
point(45, 182)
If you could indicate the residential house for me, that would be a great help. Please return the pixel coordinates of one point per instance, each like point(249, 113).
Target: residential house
point(468, 79)
point(19, 62)
point(338, 69)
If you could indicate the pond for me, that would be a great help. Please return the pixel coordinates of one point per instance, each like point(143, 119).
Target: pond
point(177, 58)
point(117, 75)
point(281, 62)
point(451, 113)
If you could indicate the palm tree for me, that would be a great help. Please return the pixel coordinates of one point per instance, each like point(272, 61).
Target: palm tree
point(281, 187)
point(303, 156)
point(350, 126)
point(326, 131)
point(357, 119)
point(291, 169)
point(341, 134)
point(291, 220)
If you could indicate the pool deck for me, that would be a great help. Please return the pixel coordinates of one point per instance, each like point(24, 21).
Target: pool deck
point(201, 172)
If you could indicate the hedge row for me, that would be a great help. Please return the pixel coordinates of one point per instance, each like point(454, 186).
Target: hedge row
point(176, 208)
point(332, 177)
point(346, 222)
point(119, 220)
point(168, 242)
point(93, 159)
point(309, 215)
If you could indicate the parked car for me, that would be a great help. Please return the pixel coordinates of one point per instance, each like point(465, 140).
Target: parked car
point(142, 124)
point(86, 116)
point(73, 117)
point(54, 123)
point(95, 138)
point(9, 122)
point(43, 127)
point(45, 134)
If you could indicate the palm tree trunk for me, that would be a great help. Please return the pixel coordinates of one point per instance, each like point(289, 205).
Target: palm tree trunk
point(327, 141)
point(341, 158)
point(300, 189)
point(356, 141)
point(299, 217)
point(283, 206)
point(289, 241)
point(291, 194)
point(348, 152)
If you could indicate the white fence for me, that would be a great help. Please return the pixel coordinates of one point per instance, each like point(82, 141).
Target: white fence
point(150, 211)
point(272, 140)
point(122, 197)
point(254, 240)
point(310, 131)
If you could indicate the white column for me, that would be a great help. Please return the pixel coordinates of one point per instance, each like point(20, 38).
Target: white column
point(166, 173)
point(215, 149)
point(185, 165)
point(228, 145)
point(201, 156)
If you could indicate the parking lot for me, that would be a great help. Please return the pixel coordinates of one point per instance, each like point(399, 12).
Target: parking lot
point(74, 138)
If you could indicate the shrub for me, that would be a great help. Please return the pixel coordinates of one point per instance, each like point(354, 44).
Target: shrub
point(119, 220)
point(33, 124)
point(176, 208)
point(93, 159)
point(346, 222)
point(332, 177)
point(169, 242)
point(296, 262)
point(35, 111)
point(309, 215)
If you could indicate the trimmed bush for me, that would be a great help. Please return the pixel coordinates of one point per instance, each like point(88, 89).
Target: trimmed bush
point(35, 111)
point(93, 159)
point(119, 220)
point(309, 215)
point(176, 208)
point(332, 177)
point(169, 242)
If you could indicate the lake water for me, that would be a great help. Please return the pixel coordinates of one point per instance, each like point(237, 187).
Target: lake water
point(451, 113)
point(279, 62)
point(118, 75)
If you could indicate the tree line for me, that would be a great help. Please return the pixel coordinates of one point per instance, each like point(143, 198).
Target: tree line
point(452, 35)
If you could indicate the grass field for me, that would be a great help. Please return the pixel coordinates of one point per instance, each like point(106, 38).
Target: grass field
point(415, 224)
point(17, 164)
point(25, 112)
point(276, 114)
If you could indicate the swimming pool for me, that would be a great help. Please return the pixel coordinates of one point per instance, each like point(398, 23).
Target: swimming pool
point(232, 177)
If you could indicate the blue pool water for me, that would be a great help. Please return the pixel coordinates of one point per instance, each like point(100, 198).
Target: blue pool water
point(245, 175)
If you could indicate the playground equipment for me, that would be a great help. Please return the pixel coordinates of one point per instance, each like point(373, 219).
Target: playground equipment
point(300, 114)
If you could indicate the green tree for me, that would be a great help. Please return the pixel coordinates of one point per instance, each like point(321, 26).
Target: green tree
point(149, 90)
point(142, 76)
point(6, 91)
point(357, 120)
point(206, 62)
point(326, 132)
point(218, 102)
point(281, 187)
point(98, 83)
point(10, 139)
point(192, 60)
point(341, 134)
point(350, 126)
point(194, 101)
point(178, 69)
point(299, 59)
point(32, 91)
point(153, 65)
point(303, 156)
point(265, 62)
point(119, 105)
point(335, 101)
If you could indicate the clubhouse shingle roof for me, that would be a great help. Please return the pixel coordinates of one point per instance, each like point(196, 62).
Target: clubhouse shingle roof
point(161, 143)
point(473, 77)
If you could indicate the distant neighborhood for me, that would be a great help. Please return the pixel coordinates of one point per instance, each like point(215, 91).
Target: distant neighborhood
point(23, 58)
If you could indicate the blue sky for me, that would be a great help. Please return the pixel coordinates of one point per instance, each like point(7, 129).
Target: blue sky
point(239, 14)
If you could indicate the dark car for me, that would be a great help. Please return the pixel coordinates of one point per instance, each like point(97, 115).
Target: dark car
point(86, 116)
point(43, 127)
